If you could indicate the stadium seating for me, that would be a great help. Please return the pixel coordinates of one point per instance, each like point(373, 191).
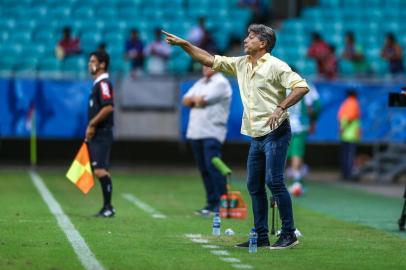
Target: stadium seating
point(369, 20)
point(31, 28)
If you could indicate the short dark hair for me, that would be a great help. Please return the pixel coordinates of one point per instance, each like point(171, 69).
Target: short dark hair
point(102, 57)
point(350, 35)
point(264, 33)
point(391, 37)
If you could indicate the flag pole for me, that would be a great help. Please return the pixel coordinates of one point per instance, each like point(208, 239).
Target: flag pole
point(33, 140)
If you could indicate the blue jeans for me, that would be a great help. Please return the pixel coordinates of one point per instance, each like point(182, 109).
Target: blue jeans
point(347, 157)
point(214, 182)
point(266, 165)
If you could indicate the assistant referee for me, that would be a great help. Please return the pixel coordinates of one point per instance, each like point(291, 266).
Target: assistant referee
point(99, 132)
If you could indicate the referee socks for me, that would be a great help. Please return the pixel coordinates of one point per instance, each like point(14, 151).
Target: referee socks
point(107, 189)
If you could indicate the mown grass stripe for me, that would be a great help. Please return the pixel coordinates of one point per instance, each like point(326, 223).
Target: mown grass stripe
point(143, 206)
point(85, 255)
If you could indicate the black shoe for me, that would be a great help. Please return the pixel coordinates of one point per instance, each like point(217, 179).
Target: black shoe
point(261, 243)
point(106, 211)
point(285, 241)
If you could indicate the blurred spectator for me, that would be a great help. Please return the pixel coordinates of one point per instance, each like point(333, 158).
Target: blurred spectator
point(134, 52)
point(197, 34)
point(67, 45)
point(392, 52)
point(318, 50)
point(302, 116)
point(102, 47)
point(354, 53)
point(260, 9)
point(158, 53)
point(208, 42)
point(349, 117)
point(330, 63)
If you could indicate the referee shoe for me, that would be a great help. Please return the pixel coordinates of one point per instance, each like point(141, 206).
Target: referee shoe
point(106, 211)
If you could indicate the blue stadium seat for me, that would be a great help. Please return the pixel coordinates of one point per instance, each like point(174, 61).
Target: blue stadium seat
point(82, 12)
point(49, 64)
point(106, 13)
point(26, 66)
point(74, 66)
point(59, 12)
point(90, 40)
point(330, 3)
point(346, 68)
point(7, 64)
point(22, 37)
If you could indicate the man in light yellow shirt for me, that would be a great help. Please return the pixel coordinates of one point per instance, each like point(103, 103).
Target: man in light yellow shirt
point(263, 80)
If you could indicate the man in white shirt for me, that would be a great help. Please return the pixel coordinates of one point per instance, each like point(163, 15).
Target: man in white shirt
point(158, 53)
point(209, 99)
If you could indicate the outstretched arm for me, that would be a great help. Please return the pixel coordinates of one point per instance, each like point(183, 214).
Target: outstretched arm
point(196, 53)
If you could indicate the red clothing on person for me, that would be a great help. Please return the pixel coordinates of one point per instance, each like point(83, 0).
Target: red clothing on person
point(330, 66)
point(319, 50)
point(70, 46)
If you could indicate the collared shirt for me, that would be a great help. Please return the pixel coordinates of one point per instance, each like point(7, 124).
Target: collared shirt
point(262, 88)
point(101, 77)
point(210, 121)
point(102, 95)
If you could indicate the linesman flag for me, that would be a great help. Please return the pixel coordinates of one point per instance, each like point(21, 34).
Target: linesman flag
point(80, 172)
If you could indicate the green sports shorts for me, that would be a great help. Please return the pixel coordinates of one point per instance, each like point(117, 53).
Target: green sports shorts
point(297, 145)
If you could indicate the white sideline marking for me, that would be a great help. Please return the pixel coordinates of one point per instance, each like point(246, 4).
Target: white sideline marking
point(143, 206)
point(199, 240)
point(191, 235)
point(79, 245)
point(220, 252)
point(230, 260)
point(211, 246)
point(242, 266)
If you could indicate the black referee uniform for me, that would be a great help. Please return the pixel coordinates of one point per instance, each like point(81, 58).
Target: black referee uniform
point(100, 144)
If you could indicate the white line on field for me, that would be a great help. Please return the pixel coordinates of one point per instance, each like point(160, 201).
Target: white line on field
point(230, 260)
point(142, 205)
point(242, 266)
point(197, 238)
point(79, 245)
point(191, 235)
point(220, 252)
point(211, 246)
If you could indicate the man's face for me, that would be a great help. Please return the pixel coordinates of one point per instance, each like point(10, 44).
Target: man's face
point(252, 44)
point(93, 65)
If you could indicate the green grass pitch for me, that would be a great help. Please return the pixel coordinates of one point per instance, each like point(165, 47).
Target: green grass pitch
point(342, 228)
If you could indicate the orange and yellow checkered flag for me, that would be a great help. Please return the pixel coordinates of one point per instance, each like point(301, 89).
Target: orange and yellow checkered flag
point(80, 172)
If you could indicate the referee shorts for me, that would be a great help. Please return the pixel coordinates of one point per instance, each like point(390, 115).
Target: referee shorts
point(100, 147)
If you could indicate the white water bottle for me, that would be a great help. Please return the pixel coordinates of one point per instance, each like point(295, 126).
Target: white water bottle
point(253, 241)
point(216, 224)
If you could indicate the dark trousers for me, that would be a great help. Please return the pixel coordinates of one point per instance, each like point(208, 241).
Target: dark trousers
point(347, 156)
point(266, 166)
point(214, 182)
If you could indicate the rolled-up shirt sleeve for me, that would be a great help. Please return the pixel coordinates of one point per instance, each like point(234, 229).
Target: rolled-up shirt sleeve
point(290, 79)
point(225, 64)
